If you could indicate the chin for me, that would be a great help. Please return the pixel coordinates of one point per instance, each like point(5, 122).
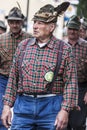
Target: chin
point(35, 35)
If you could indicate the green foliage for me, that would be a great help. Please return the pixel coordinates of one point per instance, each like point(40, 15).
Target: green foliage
point(82, 8)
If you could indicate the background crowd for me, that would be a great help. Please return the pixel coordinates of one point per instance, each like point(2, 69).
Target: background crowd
point(19, 77)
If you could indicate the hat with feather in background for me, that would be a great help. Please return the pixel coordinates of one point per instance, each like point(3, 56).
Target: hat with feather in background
point(74, 22)
point(49, 13)
point(15, 14)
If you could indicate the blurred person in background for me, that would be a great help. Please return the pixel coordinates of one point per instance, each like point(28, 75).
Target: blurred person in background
point(8, 44)
point(3, 27)
point(42, 84)
point(77, 119)
point(83, 28)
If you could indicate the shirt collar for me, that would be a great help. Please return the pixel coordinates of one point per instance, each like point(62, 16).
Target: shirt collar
point(50, 43)
point(18, 35)
point(80, 41)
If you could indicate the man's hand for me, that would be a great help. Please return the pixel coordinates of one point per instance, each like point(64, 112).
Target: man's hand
point(61, 120)
point(6, 116)
point(85, 98)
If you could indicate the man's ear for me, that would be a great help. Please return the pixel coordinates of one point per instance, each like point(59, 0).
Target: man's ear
point(52, 26)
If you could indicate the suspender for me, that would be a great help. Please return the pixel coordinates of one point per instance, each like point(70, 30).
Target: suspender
point(59, 59)
point(21, 59)
point(23, 52)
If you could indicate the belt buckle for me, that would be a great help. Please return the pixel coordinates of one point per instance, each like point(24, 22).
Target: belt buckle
point(35, 95)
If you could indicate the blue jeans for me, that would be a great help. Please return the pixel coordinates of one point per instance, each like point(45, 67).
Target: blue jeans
point(35, 113)
point(3, 83)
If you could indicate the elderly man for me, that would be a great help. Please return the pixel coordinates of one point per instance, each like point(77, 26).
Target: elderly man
point(8, 43)
point(42, 84)
point(79, 46)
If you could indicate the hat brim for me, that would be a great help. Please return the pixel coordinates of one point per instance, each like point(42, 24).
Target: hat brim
point(73, 26)
point(45, 20)
point(13, 18)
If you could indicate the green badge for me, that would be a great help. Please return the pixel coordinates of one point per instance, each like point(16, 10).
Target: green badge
point(49, 76)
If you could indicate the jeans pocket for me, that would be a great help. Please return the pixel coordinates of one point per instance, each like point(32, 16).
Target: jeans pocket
point(57, 103)
point(24, 105)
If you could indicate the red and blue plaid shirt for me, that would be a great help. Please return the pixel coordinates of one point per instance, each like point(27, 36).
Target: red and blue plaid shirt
point(29, 76)
point(80, 52)
point(8, 45)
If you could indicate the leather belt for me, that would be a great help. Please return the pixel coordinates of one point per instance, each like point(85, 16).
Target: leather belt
point(39, 95)
point(1, 75)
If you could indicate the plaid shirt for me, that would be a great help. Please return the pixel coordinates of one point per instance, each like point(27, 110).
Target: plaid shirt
point(8, 44)
point(80, 52)
point(30, 76)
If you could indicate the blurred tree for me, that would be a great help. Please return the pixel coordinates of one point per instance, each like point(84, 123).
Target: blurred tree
point(82, 8)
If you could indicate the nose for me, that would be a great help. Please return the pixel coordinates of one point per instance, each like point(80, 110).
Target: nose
point(14, 25)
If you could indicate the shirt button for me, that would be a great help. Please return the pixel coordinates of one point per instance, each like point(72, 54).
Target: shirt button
point(34, 84)
point(37, 59)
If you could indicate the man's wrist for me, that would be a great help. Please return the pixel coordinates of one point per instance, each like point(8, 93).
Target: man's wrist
point(65, 110)
point(6, 106)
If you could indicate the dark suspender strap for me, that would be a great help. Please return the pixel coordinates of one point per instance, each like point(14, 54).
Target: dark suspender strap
point(27, 42)
point(59, 59)
point(23, 51)
point(21, 58)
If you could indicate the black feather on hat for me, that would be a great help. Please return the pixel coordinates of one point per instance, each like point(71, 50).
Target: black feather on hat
point(61, 8)
point(49, 13)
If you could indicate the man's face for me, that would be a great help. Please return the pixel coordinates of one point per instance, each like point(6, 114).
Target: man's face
point(83, 33)
point(15, 25)
point(73, 34)
point(42, 30)
point(2, 31)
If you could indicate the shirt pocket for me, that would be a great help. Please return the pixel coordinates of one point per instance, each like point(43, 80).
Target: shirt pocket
point(25, 68)
point(48, 71)
point(41, 71)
